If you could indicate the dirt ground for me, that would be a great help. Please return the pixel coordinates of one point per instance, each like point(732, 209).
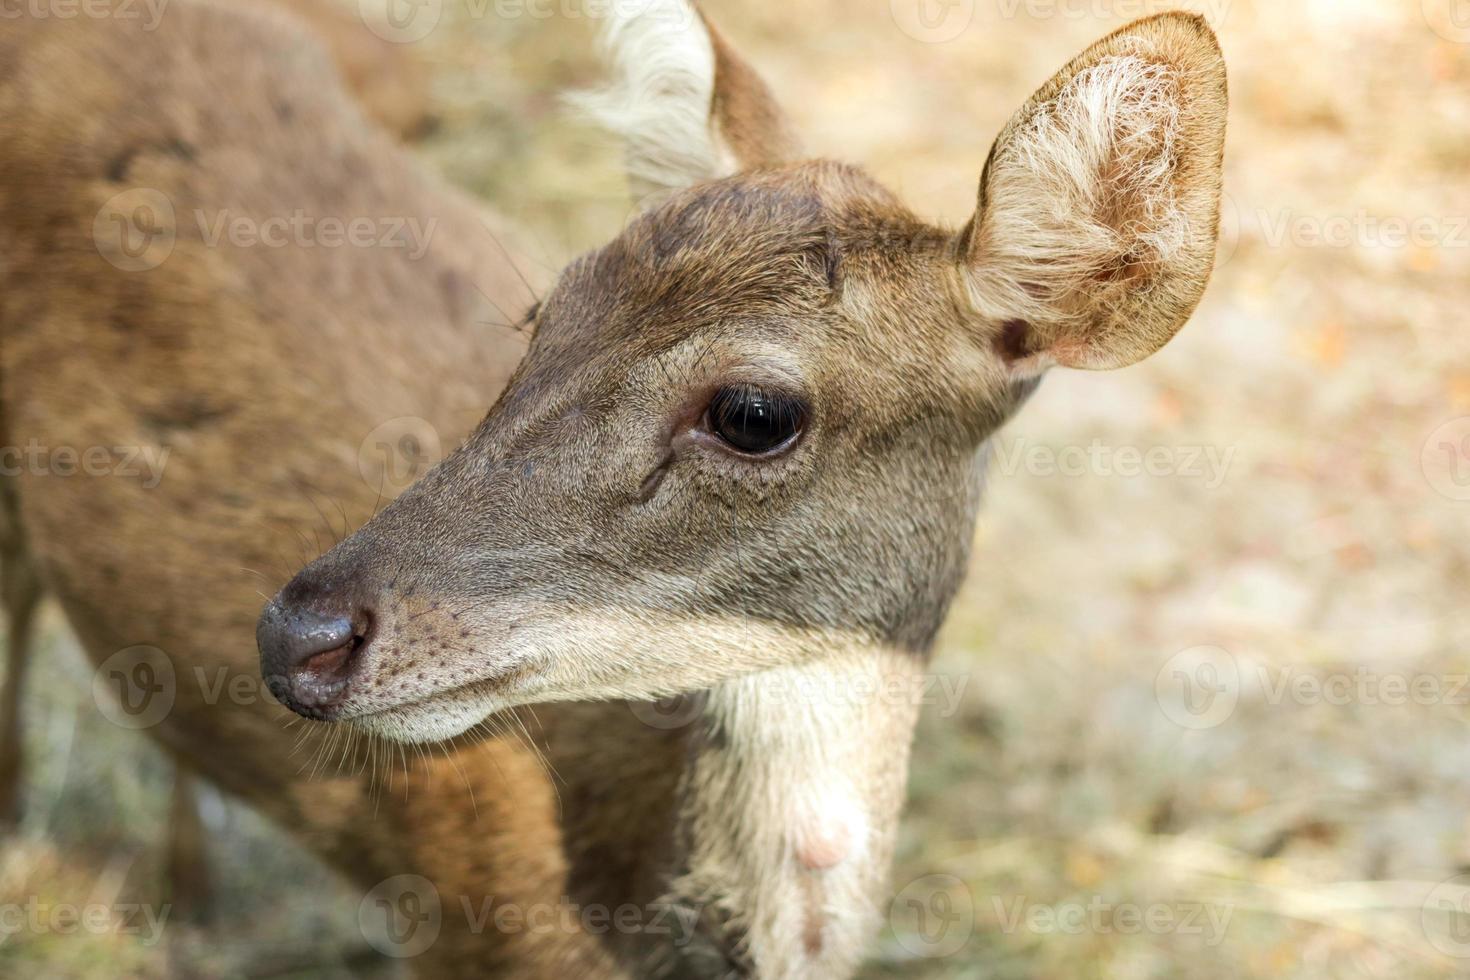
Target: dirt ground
point(1214, 650)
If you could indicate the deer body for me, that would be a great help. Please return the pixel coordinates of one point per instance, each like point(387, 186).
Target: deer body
point(184, 354)
point(699, 482)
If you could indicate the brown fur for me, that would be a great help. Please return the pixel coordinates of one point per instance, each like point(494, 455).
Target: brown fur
point(392, 87)
point(265, 371)
point(386, 79)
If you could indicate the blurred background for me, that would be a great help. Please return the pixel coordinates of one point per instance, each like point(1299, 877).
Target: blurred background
point(1213, 659)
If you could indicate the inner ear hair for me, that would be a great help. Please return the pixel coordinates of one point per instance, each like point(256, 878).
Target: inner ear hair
point(1099, 205)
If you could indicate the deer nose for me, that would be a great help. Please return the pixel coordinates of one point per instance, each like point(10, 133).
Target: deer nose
point(308, 656)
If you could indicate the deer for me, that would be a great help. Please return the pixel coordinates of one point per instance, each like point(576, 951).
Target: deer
point(733, 457)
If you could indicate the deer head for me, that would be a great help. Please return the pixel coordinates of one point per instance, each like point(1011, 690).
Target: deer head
point(749, 431)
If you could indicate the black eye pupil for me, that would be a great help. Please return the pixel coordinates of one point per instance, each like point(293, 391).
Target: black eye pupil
point(755, 421)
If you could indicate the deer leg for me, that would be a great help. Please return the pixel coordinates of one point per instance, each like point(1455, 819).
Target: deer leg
point(188, 860)
point(20, 593)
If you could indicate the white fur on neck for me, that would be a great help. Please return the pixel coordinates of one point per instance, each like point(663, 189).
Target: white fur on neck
point(801, 763)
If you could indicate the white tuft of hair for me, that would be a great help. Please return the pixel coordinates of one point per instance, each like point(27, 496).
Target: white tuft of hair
point(1082, 192)
point(660, 96)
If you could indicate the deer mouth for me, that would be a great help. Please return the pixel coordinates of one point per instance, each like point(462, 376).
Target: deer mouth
point(439, 715)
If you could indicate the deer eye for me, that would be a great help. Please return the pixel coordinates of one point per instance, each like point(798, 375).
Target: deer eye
point(755, 421)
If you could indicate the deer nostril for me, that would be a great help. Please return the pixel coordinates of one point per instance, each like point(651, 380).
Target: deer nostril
point(334, 664)
point(309, 657)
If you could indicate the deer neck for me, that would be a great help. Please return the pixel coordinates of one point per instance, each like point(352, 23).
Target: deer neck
point(788, 810)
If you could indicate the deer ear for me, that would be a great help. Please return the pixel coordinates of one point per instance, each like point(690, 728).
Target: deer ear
point(687, 105)
point(1100, 203)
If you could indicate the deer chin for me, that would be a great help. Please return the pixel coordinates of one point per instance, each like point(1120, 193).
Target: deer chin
point(436, 718)
point(440, 715)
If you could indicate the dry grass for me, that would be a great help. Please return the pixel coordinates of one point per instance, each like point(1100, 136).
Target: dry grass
point(1315, 826)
